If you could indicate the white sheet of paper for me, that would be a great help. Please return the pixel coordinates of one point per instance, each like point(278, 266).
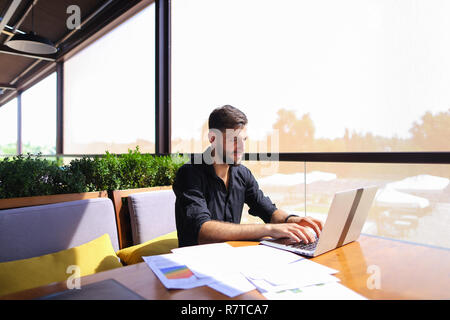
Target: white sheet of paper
point(327, 291)
point(260, 260)
point(203, 267)
point(219, 261)
point(265, 286)
point(264, 256)
point(315, 267)
point(267, 269)
point(301, 271)
point(216, 260)
point(211, 248)
point(233, 285)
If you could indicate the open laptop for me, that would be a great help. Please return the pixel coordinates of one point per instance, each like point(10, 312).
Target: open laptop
point(346, 217)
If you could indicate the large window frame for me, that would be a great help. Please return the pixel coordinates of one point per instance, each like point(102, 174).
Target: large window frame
point(115, 12)
point(163, 108)
point(388, 157)
point(437, 157)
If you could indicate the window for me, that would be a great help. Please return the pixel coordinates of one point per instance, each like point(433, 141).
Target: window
point(39, 117)
point(328, 76)
point(324, 76)
point(411, 204)
point(109, 91)
point(8, 128)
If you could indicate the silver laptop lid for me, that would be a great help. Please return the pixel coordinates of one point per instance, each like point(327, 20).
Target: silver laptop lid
point(346, 217)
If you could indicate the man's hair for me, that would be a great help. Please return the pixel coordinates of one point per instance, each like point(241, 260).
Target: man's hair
point(227, 117)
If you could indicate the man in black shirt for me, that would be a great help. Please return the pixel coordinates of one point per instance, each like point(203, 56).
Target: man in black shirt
point(210, 195)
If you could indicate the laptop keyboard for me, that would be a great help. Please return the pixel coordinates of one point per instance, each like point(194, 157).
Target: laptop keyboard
point(305, 246)
point(306, 249)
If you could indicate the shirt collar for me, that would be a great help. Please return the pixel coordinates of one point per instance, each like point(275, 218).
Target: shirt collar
point(209, 167)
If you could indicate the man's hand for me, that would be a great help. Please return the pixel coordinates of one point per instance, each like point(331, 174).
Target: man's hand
point(313, 223)
point(296, 228)
point(293, 231)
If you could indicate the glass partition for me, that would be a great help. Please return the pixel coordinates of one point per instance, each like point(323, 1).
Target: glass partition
point(412, 202)
point(8, 128)
point(282, 182)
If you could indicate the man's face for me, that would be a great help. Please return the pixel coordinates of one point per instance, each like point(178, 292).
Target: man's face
point(231, 150)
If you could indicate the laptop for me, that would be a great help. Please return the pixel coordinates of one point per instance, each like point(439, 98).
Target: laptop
point(346, 217)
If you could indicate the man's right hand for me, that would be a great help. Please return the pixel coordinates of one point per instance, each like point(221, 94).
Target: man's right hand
point(291, 230)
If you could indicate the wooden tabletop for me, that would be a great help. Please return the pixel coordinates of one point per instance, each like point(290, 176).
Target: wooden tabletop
point(404, 271)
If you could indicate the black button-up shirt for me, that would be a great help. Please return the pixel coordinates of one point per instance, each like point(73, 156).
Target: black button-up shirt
point(202, 196)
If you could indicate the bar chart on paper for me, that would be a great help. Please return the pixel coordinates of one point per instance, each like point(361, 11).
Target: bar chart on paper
point(177, 272)
point(173, 273)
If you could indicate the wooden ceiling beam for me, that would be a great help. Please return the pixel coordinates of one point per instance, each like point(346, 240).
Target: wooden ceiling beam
point(7, 86)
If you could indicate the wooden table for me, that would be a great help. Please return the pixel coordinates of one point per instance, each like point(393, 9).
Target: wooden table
point(407, 271)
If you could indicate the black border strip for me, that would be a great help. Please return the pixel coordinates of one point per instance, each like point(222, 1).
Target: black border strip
point(367, 157)
point(437, 157)
point(162, 77)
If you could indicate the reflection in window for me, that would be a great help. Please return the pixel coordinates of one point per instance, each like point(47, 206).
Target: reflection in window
point(39, 117)
point(109, 91)
point(412, 203)
point(327, 75)
point(8, 128)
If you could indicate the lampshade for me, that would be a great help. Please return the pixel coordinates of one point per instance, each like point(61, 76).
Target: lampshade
point(31, 43)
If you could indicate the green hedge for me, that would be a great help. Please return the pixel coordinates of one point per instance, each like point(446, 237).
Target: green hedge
point(31, 175)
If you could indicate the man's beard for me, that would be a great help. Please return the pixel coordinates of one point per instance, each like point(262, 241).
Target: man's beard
point(226, 158)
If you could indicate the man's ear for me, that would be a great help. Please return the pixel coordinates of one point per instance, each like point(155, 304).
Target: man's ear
point(215, 136)
point(211, 136)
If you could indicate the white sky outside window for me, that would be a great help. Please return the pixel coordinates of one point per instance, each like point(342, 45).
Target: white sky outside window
point(367, 65)
point(39, 116)
point(109, 88)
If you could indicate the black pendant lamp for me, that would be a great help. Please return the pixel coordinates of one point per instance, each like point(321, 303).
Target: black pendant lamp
point(31, 42)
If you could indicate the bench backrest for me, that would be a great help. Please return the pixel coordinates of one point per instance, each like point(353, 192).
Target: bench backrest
point(152, 214)
point(38, 230)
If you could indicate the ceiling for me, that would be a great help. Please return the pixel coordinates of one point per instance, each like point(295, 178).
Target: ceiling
point(19, 70)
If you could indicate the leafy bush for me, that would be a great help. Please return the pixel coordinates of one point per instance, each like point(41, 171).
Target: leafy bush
point(32, 175)
point(23, 176)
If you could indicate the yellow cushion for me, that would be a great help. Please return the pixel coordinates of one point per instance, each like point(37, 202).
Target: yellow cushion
point(159, 245)
point(94, 256)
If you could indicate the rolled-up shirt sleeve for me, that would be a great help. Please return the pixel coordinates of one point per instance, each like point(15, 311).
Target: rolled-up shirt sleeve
point(197, 211)
point(190, 198)
point(259, 204)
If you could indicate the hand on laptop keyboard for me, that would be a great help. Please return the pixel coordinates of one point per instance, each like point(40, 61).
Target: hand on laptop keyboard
point(305, 246)
point(293, 231)
point(313, 225)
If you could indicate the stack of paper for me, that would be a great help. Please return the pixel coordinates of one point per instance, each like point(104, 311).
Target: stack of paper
point(276, 273)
